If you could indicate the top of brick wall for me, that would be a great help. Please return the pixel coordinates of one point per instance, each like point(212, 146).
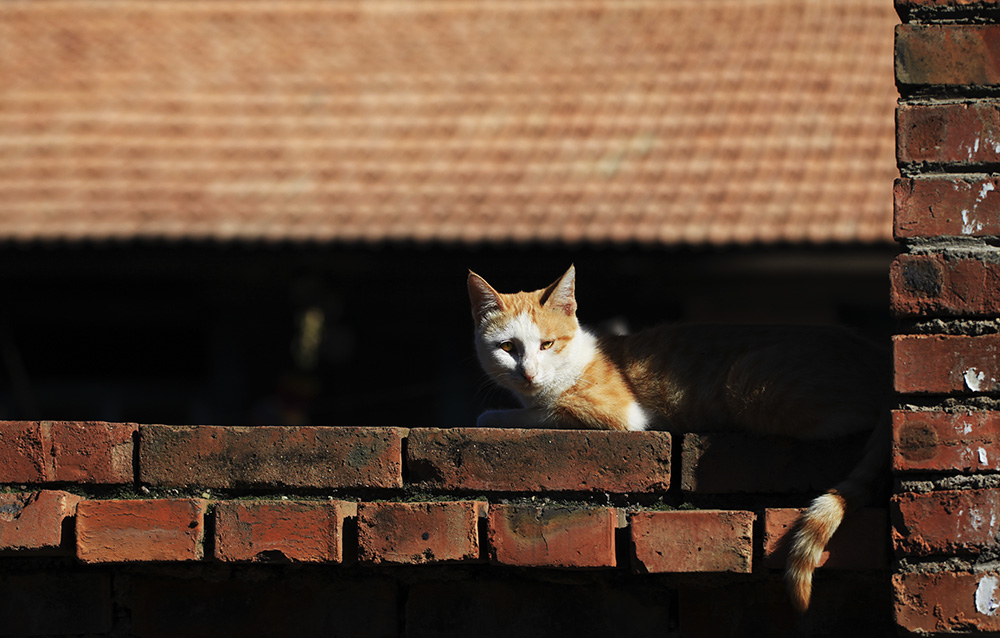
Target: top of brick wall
point(656, 122)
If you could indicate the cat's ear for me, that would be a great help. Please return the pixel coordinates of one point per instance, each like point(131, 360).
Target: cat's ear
point(562, 294)
point(484, 299)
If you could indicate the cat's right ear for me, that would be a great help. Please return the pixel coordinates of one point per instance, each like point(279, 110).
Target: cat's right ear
point(484, 299)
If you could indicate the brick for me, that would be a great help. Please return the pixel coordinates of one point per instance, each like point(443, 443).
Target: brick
point(34, 520)
point(946, 364)
point(521, 461)
point(89, 452)
point(947, 602)
point(948, 133)
point(957, 206)
point(692, 541)
point(948, 55)
point(941, 285)
point(854, 605)
point(945, 441)
point(729, 462)
point(293, 531)
point(861, 541)
point(946, 522)
point(416, 533)
point(92, 452)
point(53, 601)
point(263, 603)
point(552, 535)
point(514, 604)
point(117, 531)
point(270, 456)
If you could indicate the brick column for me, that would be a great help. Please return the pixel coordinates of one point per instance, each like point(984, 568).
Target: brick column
point(946, 291)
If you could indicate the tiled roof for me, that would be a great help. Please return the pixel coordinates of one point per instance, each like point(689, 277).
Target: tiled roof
point(656, 121)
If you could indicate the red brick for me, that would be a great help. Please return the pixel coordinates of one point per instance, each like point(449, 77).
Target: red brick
point(728, 462)
point(946, 522)
point(271, 456)
point(263, 603)
point(34, 520)
point(414, 533)
point(939, 285)
point(66, 451)
point(942, 441)
point(296, 531)
point(521, 461)
point(850, 605)
point(516, 604)
point(940, 9)
point(946, 364)
point(693, 541)
point(967, 133)
point(552, 535)
point(933, 206)
point(53, 601)
point(116, 531)
point(947, 602)
point(861, 541)
point(948, 55)
point(89, 452)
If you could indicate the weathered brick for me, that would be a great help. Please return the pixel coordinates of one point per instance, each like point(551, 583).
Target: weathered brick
point(940, 285)
point(945, 441)
point(948, 55)
point(967, 133)
point(854, 604)
point(53, 601)
point(296, 531)
point(947, 602)
point(946, 522)
point(514, 605)
point(693, 541)
point(34, 520)
point(92, 452)
point(414, 533)
point(116, 531)
point(485, 459)
point(270, 456)
point(552, 535)
point(730, 462)
point(946, 364)
point(935, 206)
point(267, 603)
point(89, 452)
point(861, 541)
point(940, 9)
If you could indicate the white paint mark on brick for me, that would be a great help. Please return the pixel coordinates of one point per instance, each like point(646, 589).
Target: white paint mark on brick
point(986, 595)
point(982, 457)
point(974, 379)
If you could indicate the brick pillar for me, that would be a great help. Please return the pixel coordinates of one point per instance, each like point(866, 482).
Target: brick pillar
point(946, 291)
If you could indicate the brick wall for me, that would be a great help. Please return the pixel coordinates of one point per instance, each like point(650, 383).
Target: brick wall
point(152, 530)
point(946, 291)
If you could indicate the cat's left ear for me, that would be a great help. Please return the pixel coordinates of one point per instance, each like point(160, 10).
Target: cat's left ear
point(484, 299)
point(562, 294)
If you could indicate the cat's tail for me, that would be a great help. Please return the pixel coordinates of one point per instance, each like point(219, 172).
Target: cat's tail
point(818, 524)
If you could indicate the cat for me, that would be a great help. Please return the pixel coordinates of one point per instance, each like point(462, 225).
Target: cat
point(808, 382)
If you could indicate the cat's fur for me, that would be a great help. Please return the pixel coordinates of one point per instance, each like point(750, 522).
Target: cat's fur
point(804, 382)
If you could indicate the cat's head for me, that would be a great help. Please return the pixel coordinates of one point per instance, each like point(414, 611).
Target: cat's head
point(524, 339)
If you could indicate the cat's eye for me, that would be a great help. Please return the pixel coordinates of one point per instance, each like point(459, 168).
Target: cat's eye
point(507, 346)
point(547, 344)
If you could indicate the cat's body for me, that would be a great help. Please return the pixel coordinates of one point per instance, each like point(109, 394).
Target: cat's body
point(804, 382)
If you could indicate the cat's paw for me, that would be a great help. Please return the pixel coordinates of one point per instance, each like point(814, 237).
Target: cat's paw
point(491, 419)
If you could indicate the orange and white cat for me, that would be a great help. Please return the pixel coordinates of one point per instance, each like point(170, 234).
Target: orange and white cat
point(805, 382)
